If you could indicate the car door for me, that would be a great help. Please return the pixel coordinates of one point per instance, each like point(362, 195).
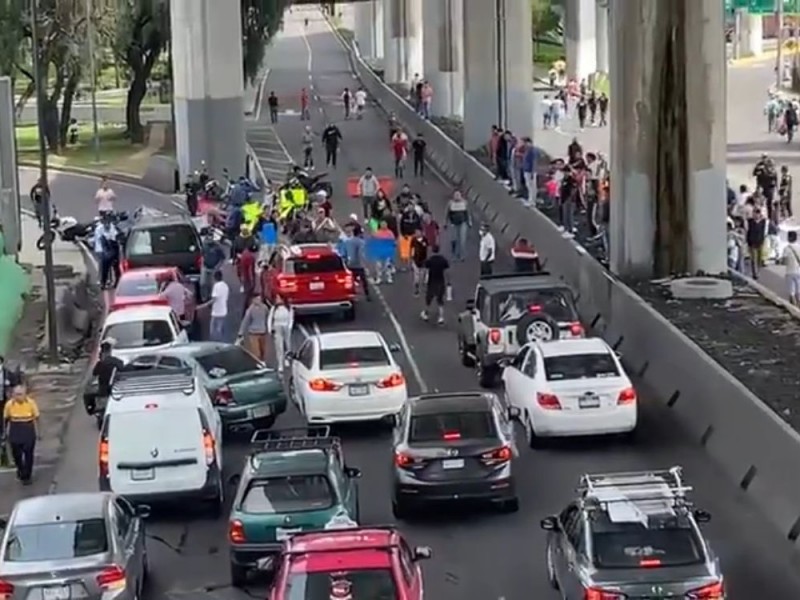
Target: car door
point(512, 375)
point(214, 419)
point(571, 546)
point(130, 536)
point(526, 380)
point(302, 365)
point(506, 425)
point(178, 331)
point(410, 572)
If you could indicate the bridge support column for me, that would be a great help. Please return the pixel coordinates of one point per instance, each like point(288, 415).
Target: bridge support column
point(601, 34)
point(365, 29)
point(209, 83)
point(443, 53)
point(752, 35)
point(579, 35)
point(498, 74)
point(403, 40)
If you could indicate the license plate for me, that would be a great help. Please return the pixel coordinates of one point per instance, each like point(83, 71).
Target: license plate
point(589, 402)
point(282, 534)
point(316, 286)
point(61, 592)
point(143, 474)
point(453, 463)
point(359, 390)
point(261, 412)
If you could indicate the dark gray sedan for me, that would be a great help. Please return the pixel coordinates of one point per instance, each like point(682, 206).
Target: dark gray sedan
point(68, 546)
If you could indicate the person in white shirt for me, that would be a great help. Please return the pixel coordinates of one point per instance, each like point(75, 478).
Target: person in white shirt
point(220, 292)
point(361, 102)
point(279, 325)
point(105, 197)
point(368, 187)
point(487, 250)
point(791, 260)
point(176, 294)
point(547, 112)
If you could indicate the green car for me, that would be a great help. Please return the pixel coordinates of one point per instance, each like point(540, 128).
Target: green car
point(245, 391)
point(294, 480)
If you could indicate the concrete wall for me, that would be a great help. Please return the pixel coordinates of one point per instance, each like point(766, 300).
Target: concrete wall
point(14, 283)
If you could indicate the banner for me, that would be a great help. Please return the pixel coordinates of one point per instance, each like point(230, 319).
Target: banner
point(381, 249)
point(269, 234)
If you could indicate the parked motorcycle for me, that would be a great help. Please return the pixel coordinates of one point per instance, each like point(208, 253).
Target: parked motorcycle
point(313, 184)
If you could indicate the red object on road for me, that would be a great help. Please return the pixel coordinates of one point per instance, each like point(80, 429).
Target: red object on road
point(385, 183)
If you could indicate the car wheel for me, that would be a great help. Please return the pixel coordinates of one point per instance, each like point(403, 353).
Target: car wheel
point(350, 313)
point(99, 420)
point(551, 571)
point(534, 441)
point(510, 506)
point(292, 391)
point(463, 351)
point(487, 375)
point(238, 576)
point(400, 509)
point(217, 505)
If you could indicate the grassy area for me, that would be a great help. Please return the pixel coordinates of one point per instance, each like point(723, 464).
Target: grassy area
point(117, 154)
point(544, 55)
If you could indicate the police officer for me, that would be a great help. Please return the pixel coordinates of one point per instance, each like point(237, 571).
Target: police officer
point(21, 416)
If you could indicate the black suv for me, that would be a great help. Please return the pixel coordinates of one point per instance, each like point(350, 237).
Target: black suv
point(454, 446)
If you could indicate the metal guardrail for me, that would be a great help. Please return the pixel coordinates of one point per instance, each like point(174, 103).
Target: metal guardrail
point(757, 450)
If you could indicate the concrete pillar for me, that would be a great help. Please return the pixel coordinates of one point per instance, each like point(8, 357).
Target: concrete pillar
point(402, 21)
point(9, 175)
point(498, 71)
point(377, 27)
point(365, 28)
point(209, 83)
point(752, 35)
point(443, 55)
point(601, 34)
point(579, 35)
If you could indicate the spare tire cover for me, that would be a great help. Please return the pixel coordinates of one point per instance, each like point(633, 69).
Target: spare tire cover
point(537, 328)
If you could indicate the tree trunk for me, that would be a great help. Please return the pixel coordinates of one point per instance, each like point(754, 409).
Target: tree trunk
point(30, 89)
point(66, 106)
point(136, 94)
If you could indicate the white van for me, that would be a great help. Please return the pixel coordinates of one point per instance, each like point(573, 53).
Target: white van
point(161, 438)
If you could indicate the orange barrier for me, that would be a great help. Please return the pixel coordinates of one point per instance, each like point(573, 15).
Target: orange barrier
point(385, 183)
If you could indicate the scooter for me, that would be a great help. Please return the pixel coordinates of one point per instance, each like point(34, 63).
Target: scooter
point(67, 229)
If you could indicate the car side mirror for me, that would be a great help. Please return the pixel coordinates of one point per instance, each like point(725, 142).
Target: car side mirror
point(395, 348)
point(549, 524)
point(352, 472)
point(470, 304)
point(3, 523)
point(234, 479)
point(422, 553)
point(618, 355)
point(291, 355)
point(504, 362)
point(702, 516)
point(514, 413)
point(143, 511)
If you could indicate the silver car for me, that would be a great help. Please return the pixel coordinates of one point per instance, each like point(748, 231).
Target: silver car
point(68, 546)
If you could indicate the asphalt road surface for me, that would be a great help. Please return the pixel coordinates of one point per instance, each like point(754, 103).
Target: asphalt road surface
point(478, 555)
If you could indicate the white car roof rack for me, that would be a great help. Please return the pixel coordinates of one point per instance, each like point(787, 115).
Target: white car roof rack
point(152, 382)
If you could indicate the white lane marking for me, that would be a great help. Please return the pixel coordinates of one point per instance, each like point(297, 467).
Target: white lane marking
point(309, 64)
point(283, 146)
point(261, 88)
point(177, 204)
point(317, 330)
point(303, 330)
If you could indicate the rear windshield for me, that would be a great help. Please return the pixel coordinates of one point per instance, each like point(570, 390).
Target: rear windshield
point(229, 361)
point(295, 493)
point(343, 358)
point(369, 584)
point(137, 286)
point(633, 545)
point(139, 334)
point(312, 266)
point(132, 434)
point(510, 307)
point(434, 428)
point(580, 366)
point(170, 239)
point(62, 540)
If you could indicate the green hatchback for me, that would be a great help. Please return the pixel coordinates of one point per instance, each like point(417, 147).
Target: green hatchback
point(294, 480)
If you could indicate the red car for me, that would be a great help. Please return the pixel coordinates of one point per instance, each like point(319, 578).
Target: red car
point(313, 278)
point(142, 286)
point(367, 562)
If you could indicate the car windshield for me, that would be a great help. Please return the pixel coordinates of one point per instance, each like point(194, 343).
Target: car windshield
point(231, 360)
point(468, 425)
point(137, 286)
point(510, 307)
point(169, 239)
point(314, 266)
point(580, 366)
point(361, 584)
point(632, 545)
point(60, 540)
point(294, 493)
point(139, 334)
point(344, 358)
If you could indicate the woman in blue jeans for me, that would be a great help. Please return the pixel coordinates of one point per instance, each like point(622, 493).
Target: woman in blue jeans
point(458, 221)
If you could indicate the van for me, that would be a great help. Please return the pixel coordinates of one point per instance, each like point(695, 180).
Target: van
point(161, 438)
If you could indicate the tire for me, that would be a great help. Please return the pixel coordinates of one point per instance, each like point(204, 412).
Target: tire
point(238, 576)
point(510, 506)
point(463, 351)
point(40, 243)
point(534, 441)
point(217, 504)
point(400, 509)
point(487, 375)
point(350, 314)
point(537, 327)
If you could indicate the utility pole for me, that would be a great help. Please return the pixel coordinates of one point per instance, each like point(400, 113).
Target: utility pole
point(40, 73)
point(779, 69)
point(93, 68)
point(737, 33)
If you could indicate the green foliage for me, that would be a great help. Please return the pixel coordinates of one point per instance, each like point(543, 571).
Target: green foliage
point(545, 20)
point(12, 36)
point(261, 20)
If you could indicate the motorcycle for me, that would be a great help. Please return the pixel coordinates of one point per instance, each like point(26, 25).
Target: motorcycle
point(68, 229)
point(313, 184)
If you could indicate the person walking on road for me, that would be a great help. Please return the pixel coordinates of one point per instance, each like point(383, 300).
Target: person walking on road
point(347, 101)
point(438, 284)
point(253, 330)
point(361, 103)
point(419, 256)
point(105, 197)
point(213, 259)
point(756, 237)
point(272, 102)
point(246, 269)
point(305, 109)
point(418, 147)
point(458, 221)
point(106, 248)
point(355, 255)
point(331, 137)
point(279, 324)
point(220, 292)
point(487, 251)
point(21, 420)
point(399, 152)
point(308, 148)
point(368, 187)
point(602, 104)
point(104, 371)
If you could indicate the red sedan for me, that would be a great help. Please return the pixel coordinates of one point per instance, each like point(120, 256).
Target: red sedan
point(145, 286)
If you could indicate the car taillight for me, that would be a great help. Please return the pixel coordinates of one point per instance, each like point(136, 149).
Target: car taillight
point(111, 577)
point(627, 396)
point(236, 532)
point(324, 385)
point(102, 458)
point(713, 591)
point(451, 436)
point(598, 594)
point(124, 265)
point(548, 401)
point(649, 563)
point(495, 335)
point(210, 447)
point(6, 589)
point(394, 380)
point(405, 461)
point(345, 281)
point(223, 396)
point(198, 261)
point(287, 283)
point(576, 329)
point(498, 456)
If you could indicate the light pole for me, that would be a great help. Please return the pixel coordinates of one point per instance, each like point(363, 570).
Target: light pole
point(779, 70)
point(41, 88)
point(93, 69)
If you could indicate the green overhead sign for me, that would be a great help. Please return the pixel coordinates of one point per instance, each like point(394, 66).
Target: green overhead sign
point(761, 7)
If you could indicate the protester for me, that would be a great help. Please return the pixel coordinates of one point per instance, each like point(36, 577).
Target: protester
point(21, 422)
point(331, 138)
point(437, 285)
point(279, 324)
point(104, 371)
point(253, 330)
point(355, 255)
point(105, 197)
point(458, 220)
point(220, 293)
point(487, 250)
point(368, 188)
point(419, 256)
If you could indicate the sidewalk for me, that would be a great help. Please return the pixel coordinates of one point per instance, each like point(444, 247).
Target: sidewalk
point(55, 387)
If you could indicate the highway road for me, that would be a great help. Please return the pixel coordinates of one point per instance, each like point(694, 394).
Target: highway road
point(477, 555)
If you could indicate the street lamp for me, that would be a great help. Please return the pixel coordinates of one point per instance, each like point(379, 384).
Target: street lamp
point(93, 68)
point(40, 75)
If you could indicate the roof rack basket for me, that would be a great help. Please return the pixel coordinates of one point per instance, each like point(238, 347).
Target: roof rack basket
point(636, 486)
point(295, 438)
point(152, 382)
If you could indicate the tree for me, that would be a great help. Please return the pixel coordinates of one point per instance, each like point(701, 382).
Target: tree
point(544, 19)
point(261, 20)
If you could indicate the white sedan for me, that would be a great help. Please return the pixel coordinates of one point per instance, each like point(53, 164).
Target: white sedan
point(571, 387)
point(147, 327)
point(346, 376)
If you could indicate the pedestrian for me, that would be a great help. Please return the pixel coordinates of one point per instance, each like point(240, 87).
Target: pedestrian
point(602, 104)
point(419, 256)
point(756, 237)
point(331, 138)
point(308, 148)
point(458, 220)
point(785, 193)
point(368, 188)
point(486, 250)
point(426, 99)
point(104, 371)
point(791, 262)
point(220, 292)
point(347, 101)
point(253, 330)
point(213, 259)
point(272, 102)
point(246, 269)
point(361, 102)
point(418, 149)
point(583, 110)
point(766, 180)
point(547, 115)
point(107, 251)
point(438, 284)
point(430, 229)
point(37, 194)
point(410, 223)
point(399, 152)
point(177, 296)
point(384, 265)
point(305, 109)
point(558, 110)
point(105, 197)
point(21, 421)
point(279, 324)
point(592, 101)
point(355, 255)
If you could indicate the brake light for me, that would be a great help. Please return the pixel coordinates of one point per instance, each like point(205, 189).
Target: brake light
point(198, 261)
point(598, 594)
point(324, 385)
point(648, 563)
point(236, 532)
point(313, 256)
point(345, 280)
point(111, 577)
point(287, 283)
point(576, 329)
point(534, 308)
point(500, 455)
point(6, 589)
point(223, 396)
point(450, 436)
point(548, 401)
point(394, 380)
point(495, 335)
point(102, 458)
point(210, 447)
point(714, 591)
point(627, 396)
point(124, 265)
point(404, 461)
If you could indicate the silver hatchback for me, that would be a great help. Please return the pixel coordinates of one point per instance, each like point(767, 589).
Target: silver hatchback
point(67, 546)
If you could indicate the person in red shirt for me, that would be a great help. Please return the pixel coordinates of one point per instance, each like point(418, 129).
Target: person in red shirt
point(526, 259)
point(305, 113)
point(400, 152)
point(246, 270)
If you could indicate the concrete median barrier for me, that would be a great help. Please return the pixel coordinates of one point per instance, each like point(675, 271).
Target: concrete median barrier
point(755, 448)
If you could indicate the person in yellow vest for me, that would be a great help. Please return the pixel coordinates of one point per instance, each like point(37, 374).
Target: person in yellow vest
point(291, 198)
point(21, 418)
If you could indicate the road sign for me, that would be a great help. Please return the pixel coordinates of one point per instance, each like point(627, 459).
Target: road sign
point(761, 7)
